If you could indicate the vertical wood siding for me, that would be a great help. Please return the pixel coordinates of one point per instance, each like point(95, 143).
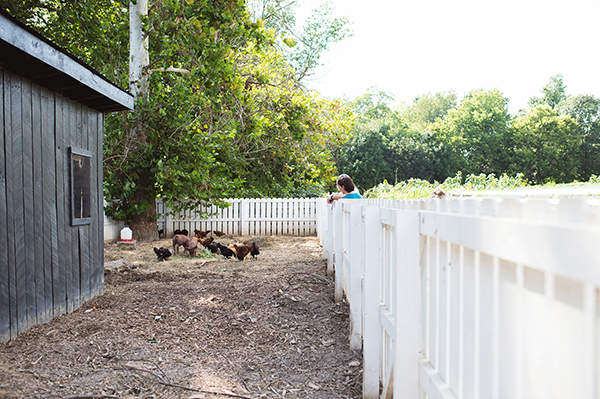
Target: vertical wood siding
point(47, 266)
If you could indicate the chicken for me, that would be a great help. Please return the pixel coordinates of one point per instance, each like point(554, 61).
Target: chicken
point(200, 233)
point(207, 241)
point(438, 193)
point(161, 232)
point(192, 246)
point(213, 248)
point(179, 240)
point(225, 251)
point(185, 232)
point(255, 250)
point(218, 233)
point(242, 251)
point(162, 253)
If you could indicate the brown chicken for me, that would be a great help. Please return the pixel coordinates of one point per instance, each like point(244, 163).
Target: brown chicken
point(207, 241)
point(241, 251)
point(200, 233)
point(218, 233)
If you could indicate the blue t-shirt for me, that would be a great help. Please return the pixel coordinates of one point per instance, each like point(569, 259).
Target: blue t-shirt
point(352, 196)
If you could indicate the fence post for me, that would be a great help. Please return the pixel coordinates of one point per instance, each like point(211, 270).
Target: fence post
point(244, 215)
point(371, 329)
point(329, 239)
point(408, 299)
point(338, 244)
point(355, 271)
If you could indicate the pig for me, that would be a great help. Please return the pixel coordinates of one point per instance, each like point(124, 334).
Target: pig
point(191, 246)
point(179, 239)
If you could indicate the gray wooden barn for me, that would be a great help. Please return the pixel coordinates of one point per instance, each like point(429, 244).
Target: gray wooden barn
point(51, 199)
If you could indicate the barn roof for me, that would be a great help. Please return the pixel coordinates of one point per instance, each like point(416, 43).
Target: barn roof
point(25, 52)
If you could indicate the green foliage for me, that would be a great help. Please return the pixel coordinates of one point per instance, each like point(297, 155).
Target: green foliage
point(427, 109)
point(546, 146)
point(303, 46)
point(382, 146)
point(477, 133)
point(205, 254)
point(416, 188)
point(433, 138)
point(238, 124)
point(94, 30)
point(409, 189)
point(585, 111)
point(553, 93)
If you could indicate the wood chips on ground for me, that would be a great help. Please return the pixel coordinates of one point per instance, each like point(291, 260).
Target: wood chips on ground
point(195, 328)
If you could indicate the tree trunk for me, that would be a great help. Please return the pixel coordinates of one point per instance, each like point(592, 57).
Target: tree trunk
point(144, 226)
point(138, 49)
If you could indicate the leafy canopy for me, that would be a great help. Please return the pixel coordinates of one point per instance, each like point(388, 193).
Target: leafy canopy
point(238, 123)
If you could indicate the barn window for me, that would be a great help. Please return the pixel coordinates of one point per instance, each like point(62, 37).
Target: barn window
point(81, 187)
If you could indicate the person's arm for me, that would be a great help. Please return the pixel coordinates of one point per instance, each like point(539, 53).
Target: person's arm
point(333, 197)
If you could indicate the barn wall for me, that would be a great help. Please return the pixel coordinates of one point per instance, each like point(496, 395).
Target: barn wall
point(47, 266)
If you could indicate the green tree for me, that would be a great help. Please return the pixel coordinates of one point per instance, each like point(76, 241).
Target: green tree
point(553, 93)
point(585, 110)
point(476, 134)
point(427, 108)
point(546, 146)
point(235, 123)
point(382, 146)
point(303, 45)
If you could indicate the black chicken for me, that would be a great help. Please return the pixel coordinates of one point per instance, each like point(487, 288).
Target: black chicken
point(213, 248)
point(255, 250)
point(162, 253)
point(225, 251)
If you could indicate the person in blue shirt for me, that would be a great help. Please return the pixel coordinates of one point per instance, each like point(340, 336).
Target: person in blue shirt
point(346, 187)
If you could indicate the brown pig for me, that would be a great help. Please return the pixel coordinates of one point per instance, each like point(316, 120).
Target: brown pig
point(191, 246)
point(179, 239)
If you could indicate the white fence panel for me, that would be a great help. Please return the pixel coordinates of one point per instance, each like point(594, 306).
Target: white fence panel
point(112, 228)
point(470, 298)
point(273, 216)
point(254, 216)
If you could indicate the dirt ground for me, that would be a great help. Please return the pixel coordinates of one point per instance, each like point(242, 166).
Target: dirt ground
point(195, 328)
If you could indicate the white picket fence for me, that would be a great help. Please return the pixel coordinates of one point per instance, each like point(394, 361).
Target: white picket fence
point(245, 216)
point(469, 298)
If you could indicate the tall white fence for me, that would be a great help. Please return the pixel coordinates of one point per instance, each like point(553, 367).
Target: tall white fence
point(470, 298)
point(245, 216)
point(112, 228)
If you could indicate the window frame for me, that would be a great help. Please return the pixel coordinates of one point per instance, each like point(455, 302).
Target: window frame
point(73, 151)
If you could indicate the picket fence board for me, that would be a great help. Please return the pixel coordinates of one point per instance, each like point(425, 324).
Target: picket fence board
point(247, 216)
point(470, 298)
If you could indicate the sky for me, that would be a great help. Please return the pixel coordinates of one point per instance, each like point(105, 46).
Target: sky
point(413, 47)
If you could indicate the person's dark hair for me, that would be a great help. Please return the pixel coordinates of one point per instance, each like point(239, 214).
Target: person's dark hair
point(346, 182)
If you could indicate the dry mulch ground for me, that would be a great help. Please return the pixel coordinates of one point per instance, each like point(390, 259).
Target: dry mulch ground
point(195, 328)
